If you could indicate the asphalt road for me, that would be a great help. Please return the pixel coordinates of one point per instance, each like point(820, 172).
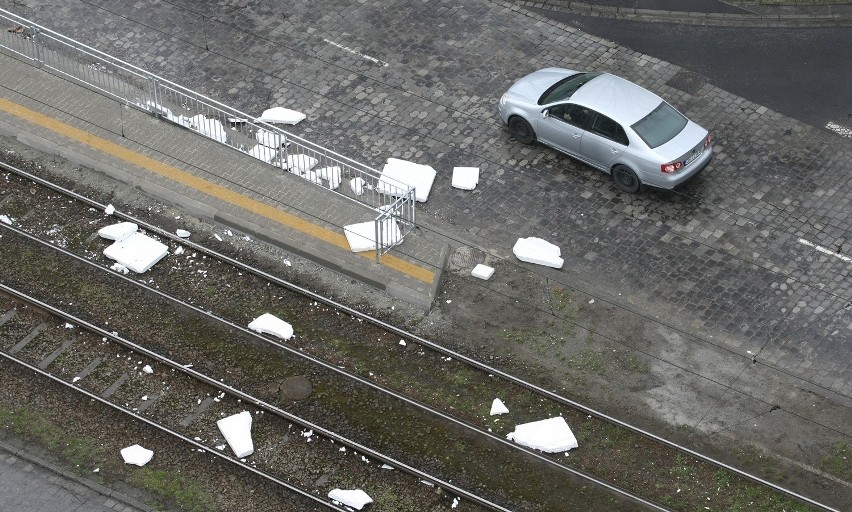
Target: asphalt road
point(804, 73)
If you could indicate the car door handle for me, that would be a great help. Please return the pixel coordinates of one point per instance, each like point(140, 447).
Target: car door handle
point(576, 135)
point(614, 151)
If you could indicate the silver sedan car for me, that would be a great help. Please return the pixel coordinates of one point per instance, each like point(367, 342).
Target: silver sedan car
point(609, 123)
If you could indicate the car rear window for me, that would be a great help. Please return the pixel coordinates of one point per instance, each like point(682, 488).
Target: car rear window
point(660, 126)
point(563, 89)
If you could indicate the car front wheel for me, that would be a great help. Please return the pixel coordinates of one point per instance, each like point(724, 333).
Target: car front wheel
point(625, 179)
point(521, 130)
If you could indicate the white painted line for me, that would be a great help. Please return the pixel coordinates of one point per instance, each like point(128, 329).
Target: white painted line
point(822, 249)
point(839, 129)
point(355, 52)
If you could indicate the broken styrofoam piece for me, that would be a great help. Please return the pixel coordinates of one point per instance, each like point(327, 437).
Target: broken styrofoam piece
point(551, 435)
point(538, 251)
point(118, 231)
point(465, 178)
point(186, 122)
point(357, 186)
point(136, 455)
point(109, 210)
point(362, 236)
point(482, 271)
point(264, 153)
point(5, 219)
point(313, 177)
point(299, 163)
point(156, 108)
point(183, 233)
point(118, 267)
point(281, 115)
point(355, 498)
point(497, 407)
point(333, 175)
point(237, 431)
point(268, 323)
point(270, 139)
point(396, 173)
point(209, 128)
point(137, 252)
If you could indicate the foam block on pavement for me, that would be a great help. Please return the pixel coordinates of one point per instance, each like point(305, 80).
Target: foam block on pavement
point(362, 236)
point(482, 272)
point(538, 251)
point(465, 178)
point(281, 115)
point(417, 176)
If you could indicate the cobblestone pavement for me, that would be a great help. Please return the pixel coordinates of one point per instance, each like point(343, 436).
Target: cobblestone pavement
point(752, 257)
point(32, 484)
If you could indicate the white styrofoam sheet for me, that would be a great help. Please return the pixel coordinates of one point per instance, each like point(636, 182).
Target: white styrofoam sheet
point(118, 231)
point(268, 323)
point(417, 176)
point(299, 163)
point(209, 127)
point(136, 455)
point(269, 139)
point(264, 153)
point(551, 435)
point(237, 431)
point(281, 115)
point(333, 175)
point(482, 271)
point(498, 407)
point(362, 236)
point(137, 252)
point(465, 178)
point(538, 251)
point(355, 498)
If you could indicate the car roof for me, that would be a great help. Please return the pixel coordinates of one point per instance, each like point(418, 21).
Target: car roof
point(617, 98)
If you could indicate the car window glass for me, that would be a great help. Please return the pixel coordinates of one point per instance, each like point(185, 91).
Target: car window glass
point(660, 126)
point(563, 89)
point(571, 114)
point(606, 127)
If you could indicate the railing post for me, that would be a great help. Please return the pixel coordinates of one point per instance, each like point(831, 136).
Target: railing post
point(38, 51)
point(378, 241)
point(153, 87)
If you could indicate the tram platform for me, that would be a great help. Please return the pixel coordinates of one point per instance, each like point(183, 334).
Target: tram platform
point(208, 180)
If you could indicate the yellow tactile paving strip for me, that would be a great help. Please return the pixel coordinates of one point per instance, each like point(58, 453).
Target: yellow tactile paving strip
point(206, 187)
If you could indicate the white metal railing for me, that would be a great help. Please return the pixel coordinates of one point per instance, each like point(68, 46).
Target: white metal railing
point(394, 201)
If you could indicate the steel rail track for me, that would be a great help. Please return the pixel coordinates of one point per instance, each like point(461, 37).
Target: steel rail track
point(342, 372)
point(21, 297)
point(245, 397)
point(421, 341)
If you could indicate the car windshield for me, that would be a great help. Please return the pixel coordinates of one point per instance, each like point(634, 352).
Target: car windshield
point(660, 126)
point(563, 89)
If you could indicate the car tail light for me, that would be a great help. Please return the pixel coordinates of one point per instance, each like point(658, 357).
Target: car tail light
point(672, 167)
point(708, 141)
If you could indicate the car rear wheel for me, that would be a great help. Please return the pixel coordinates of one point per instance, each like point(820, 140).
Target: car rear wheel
point(625, 179)
point(521, 130)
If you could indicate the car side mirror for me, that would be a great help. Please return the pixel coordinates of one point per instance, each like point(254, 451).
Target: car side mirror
point(545, 113)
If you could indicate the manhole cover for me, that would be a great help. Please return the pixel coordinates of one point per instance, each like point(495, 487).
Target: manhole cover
point(295, 388)
point(463, 259)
